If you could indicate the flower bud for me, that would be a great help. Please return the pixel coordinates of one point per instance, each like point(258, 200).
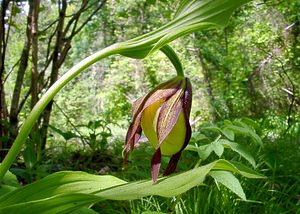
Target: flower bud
point(163, 115)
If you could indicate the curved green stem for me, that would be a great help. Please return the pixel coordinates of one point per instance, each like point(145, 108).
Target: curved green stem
point(170, 53)
point(46, 98)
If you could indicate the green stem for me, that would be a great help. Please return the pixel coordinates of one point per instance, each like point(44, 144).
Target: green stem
point(170, 53)
point(46, 98)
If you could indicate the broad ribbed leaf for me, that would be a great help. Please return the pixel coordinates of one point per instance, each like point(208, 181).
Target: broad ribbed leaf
point(228, 133)
point(59, 203)
point(228, 180)
point(60, 183)
point(67, 191)
point(191, 16)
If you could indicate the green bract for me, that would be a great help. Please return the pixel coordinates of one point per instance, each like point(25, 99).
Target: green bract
point(163, 115)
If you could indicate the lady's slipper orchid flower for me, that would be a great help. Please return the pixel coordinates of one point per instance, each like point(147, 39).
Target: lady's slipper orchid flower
point(163, 116)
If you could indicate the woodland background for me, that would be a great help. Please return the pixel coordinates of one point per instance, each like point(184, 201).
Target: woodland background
point(250, 69)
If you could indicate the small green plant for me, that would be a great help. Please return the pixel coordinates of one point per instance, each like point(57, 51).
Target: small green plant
point(226, 137)
point(98, 133)
point(95, 134)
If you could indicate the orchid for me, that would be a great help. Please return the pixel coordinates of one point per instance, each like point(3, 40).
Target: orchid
point(163, 116)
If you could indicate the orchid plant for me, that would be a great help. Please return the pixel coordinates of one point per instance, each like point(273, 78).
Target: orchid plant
point(163, 115)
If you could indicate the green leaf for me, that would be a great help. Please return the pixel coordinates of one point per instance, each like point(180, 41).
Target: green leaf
point(203, 151)
point(59, 203)
point(9, 183)
point(228, 133)
point(64, 192)
point(29, 157)
point(10, 179)
point(67, 191)
point(212, 128)
point(228, 180)
point(66, 135)
point(59, 183)
point(6, 189)
point(191, 16)
point(237, 167)
point(248, 132)
point(198, 137)
point(240, 149)
point(218, 148)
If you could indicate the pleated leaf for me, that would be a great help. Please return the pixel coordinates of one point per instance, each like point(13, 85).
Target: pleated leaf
point(64, 192)
point(191, 16)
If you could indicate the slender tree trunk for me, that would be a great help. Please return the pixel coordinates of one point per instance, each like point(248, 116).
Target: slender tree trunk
point(14, 109)
point(34, 72)
point(35, 5)
point(3, 108)
point(56, 63)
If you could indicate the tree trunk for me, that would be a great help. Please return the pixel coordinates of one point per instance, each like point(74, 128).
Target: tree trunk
point(35, 4)
point(3, 108)
point(56, 63)
point(14, 109)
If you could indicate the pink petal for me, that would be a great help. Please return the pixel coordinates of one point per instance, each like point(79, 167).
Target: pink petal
point(168, 116)
point(155, 165)
point(172, 164)
point(187, 103)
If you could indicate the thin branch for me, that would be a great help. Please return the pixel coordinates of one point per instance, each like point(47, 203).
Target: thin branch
point(70, 122)
point(76, 16)
point(49, 26)
point(88, 19)
point(75, 30)
point(49, 43)
point(23, 101)
point(11, 70)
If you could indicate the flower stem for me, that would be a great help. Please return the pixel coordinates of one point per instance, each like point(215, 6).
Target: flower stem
point(45, 99)
point(170, 53)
